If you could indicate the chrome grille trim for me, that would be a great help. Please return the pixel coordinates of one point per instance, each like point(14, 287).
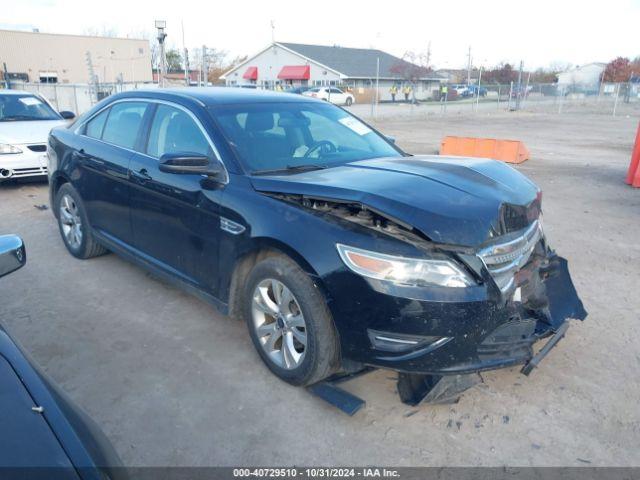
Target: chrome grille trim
point(503, 260)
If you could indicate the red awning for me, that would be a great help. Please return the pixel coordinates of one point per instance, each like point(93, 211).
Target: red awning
point(295, 72)
point(251, 73)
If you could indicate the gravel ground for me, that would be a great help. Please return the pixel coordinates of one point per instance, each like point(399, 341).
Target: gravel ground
point(172, 382)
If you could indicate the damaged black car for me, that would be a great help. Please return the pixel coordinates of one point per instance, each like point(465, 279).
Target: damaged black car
point(340, 251)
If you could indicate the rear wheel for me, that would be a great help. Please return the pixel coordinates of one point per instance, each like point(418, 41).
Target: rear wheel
point(349, 101)
point(74, 225)
point(289, 322)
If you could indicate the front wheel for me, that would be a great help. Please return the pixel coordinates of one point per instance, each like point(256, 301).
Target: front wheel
point(289, 322)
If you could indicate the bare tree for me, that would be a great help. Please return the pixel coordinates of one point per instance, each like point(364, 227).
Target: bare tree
point(102, 31)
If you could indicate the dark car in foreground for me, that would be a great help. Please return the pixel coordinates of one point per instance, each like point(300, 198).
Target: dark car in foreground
point(338, 249)
point(43, 434)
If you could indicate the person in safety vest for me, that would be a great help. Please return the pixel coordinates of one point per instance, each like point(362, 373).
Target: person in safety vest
point(393, 91)
point(407, 91)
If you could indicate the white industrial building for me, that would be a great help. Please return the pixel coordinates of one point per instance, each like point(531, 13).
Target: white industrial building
point(294, 64)
point(37, 57)
point(584, 75)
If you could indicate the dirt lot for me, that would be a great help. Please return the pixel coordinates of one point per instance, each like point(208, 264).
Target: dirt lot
point(173, 383)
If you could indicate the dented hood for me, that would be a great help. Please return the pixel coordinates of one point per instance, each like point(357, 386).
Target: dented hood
point(451, 200)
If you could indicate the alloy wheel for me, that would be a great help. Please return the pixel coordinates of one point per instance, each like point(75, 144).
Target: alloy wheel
point(71, 221)
point(279, 323)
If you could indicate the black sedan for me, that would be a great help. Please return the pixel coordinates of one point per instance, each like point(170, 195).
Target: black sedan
point(44, 435)
point(338, 249)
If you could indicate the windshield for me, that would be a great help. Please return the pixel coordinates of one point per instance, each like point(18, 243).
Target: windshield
point(281, 136)
point(15, 108)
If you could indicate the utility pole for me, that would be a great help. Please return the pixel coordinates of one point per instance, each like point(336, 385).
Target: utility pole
point(377, 84)
point(519, 93)
point(205, 66)
point(469, 67)
point(186, 57)
point(429, 54)
point(5, 75)
point(161, 25)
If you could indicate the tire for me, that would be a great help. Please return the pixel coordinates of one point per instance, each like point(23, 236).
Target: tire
point(74, 225)
point(348, 102)
point(319, 355)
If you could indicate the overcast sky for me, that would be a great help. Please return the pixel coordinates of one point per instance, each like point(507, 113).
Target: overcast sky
point(540, 32)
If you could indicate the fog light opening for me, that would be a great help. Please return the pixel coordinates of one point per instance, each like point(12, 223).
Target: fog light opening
point(400, 342)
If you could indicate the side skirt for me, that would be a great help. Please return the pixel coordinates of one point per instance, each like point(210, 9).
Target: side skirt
point(159, 269)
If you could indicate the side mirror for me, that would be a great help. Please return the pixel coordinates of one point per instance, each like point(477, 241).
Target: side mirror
point(390, 138)
point(67, 115)
point(190, 163)
point(12, 254)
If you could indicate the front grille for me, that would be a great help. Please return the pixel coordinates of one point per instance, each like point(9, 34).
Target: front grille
point(26, 172)
point(37, 148)
point(504, 259)
point(511, 339)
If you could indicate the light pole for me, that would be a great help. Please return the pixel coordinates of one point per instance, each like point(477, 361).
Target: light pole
point(161, 25)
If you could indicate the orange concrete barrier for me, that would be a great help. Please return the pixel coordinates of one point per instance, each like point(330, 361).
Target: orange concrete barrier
point(511, 151)
point(633, 175)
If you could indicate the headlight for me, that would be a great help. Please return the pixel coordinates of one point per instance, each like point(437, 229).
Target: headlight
point(6, 149)
point(404, 271)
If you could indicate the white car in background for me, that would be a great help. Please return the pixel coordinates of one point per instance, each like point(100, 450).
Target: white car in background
point(25, 122)
point(331, 94)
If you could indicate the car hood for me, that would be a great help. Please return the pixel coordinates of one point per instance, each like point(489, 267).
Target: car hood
point(19, 133)
point(452, 200)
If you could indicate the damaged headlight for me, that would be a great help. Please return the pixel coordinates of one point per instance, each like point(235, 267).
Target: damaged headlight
point(404, 271)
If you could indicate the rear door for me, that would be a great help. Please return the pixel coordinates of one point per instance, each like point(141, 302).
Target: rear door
point(175, 221)
point(103, 156)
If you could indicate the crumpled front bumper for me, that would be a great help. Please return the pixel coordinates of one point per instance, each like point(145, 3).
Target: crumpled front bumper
point(482, 332)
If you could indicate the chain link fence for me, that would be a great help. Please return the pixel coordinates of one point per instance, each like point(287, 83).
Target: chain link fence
point(77, 98)
point(604, 98)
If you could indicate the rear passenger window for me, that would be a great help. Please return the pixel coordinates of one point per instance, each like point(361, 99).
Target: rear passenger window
point(124, 123)
point(96, 124)
point(174, 131)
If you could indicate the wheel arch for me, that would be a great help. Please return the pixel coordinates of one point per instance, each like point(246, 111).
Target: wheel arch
point(259, 249)
point(55, 182)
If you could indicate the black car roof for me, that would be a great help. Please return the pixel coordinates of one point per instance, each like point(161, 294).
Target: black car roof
point(217, 95)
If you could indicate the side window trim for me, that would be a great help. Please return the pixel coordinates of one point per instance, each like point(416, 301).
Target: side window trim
point(153, 102)
point(105, 122)
point(145, 130)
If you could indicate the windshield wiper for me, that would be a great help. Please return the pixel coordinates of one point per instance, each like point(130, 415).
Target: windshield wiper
point(291, 169)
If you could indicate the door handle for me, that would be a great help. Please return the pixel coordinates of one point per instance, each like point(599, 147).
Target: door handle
point(141, 174)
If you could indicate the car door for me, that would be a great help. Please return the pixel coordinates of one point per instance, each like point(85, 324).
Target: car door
point(102, 155)
point(175, 217)
point(337, 96)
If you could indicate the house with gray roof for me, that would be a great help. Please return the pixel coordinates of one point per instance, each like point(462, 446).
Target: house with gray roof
point(358, 69)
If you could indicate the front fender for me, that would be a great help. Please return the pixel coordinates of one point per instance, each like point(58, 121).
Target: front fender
point(307, 236)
